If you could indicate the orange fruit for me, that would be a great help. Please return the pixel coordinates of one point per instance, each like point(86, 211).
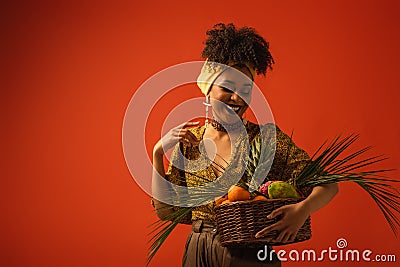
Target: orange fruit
point(220, 200)
point(260, 197)
point(225, 201)
point(237, 193)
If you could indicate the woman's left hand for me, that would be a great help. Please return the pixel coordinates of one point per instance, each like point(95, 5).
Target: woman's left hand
point(293, 217)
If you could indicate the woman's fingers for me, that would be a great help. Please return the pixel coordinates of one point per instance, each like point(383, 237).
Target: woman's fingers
point(291, 237)
point(192, 137)
point(187, 124)
point(291, 219)
point(283, 236)
point(275, 226)
point(286, 236)
point(185, 135)
point(190, 123)
point(266, 230)
point(280, 236)
point(276, 212)
point(177, 134)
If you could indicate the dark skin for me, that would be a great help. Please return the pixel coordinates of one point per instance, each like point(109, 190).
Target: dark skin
point(230, 96)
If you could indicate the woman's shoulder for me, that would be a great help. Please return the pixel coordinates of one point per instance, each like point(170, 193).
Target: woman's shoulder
point(267, 126)
point(268, 130)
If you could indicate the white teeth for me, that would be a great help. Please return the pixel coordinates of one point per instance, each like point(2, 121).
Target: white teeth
point(234, 108)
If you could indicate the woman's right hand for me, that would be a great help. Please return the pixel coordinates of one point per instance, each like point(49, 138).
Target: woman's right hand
point(180, 133)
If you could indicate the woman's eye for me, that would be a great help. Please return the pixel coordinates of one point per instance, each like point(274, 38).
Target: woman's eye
point(245, 92)
point(226, 89)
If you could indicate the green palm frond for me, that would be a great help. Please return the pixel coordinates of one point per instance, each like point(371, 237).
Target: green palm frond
point(254, 158)
point(259, 162)
point(162, 229)
point(326, 167)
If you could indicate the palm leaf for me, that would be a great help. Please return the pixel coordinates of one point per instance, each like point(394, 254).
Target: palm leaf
point(327, 168)
point(165, 227)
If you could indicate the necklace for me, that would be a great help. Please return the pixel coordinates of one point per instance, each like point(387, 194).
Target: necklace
point(226, 127)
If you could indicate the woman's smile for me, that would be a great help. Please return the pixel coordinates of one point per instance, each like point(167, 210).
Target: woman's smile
point(234, 108)
point(231, 94)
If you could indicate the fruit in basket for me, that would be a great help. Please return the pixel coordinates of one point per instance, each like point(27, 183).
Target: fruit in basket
point(264, 188)
point(259, 197)
point(220, 200)
point(281, 189)
point(237, 193)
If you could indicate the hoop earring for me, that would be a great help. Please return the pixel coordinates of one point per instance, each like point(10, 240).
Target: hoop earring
point(207, 104)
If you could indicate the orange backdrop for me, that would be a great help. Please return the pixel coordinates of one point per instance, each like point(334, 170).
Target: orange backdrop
point(71, 68)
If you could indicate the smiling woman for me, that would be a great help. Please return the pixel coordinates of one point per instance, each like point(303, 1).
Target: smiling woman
point(233, 58)
point(233, 88)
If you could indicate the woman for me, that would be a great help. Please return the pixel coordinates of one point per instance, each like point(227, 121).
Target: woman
point(228, 94)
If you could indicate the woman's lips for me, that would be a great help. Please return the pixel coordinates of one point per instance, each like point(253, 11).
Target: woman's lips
point(234, 108)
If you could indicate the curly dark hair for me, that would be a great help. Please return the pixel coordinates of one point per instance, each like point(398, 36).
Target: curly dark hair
point(226, 43)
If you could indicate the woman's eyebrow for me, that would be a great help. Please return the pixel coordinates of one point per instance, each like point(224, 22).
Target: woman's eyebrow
point(232, 83)
point(227, 81)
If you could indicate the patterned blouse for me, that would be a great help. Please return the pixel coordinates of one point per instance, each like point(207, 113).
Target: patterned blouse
point(286, 164)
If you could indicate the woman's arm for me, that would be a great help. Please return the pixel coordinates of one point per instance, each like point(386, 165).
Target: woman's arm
point(161, 187)
point(294, 215)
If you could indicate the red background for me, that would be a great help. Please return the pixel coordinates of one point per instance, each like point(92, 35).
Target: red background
point(71, 68)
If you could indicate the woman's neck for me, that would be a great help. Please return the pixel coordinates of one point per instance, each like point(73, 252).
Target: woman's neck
point(213, 133)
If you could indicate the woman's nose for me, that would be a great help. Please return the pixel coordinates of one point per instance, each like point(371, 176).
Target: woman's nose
point(235, 97)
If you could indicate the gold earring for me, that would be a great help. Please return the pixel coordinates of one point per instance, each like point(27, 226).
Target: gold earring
point(207, 104)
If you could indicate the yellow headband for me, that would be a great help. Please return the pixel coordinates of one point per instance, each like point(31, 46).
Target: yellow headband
point(210, 72)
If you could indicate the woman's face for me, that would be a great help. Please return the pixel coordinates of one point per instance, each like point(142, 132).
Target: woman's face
point(230, 94)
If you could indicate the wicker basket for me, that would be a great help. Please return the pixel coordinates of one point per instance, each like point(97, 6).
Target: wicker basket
point(238, 222)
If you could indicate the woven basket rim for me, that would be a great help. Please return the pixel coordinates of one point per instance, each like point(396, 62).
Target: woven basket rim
point(235, 230)
point(267, 200)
